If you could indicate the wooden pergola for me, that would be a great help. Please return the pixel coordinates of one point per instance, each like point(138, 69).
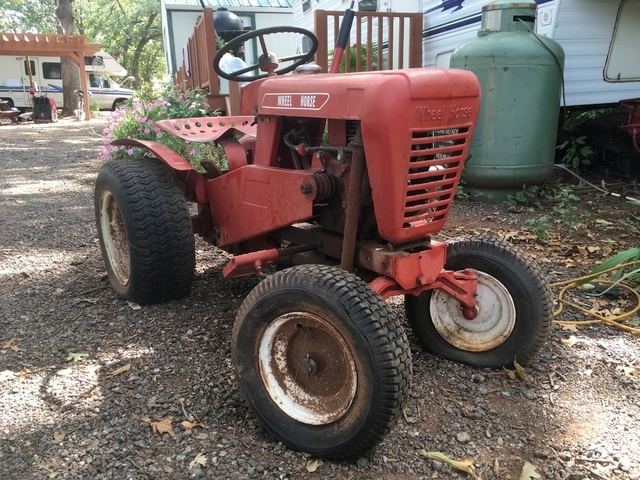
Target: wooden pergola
point(74, 47)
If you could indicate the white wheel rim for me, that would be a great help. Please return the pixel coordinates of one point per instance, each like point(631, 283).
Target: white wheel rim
point(493, 325)
point(114, 237)
point(307, 368)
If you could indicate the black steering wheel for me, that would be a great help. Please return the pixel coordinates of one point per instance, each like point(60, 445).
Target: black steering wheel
point(267, 62)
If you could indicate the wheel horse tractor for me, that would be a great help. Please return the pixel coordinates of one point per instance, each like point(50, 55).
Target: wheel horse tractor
point(346, 177)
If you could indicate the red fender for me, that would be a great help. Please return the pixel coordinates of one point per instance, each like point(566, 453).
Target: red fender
point(195, 183)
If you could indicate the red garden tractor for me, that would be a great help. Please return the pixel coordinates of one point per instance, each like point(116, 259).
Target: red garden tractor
point(346, 177)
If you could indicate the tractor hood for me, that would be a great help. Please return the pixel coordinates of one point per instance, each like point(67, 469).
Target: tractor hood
point(355, 96)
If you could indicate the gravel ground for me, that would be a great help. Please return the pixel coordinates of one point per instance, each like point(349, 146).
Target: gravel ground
point(93, 388)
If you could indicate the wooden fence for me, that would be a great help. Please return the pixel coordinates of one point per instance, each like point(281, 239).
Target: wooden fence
point(197, 65)
point(383, 40)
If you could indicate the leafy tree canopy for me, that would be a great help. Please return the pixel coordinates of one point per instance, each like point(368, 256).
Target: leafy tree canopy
point(130, 30)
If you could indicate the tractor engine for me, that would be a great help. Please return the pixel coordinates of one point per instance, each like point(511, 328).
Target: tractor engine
point(413, 128)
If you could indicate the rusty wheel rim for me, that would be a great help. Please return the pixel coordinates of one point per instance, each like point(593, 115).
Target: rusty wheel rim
point(495, 321)
point(115, 239)
point(307, 368)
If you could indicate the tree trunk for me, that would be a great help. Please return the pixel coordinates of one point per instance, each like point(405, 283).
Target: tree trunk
point(70, 71)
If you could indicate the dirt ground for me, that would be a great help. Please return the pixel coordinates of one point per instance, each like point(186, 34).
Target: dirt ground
point(88, 382)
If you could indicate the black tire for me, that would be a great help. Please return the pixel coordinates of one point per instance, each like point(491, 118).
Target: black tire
point(321, 361)
point(145, 231)
point(9, 101)
point(117, 102)
point(514, 308)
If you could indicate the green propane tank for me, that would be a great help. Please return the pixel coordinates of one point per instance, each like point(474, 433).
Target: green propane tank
point(520, 76)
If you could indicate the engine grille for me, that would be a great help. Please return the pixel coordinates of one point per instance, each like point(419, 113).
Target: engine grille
point(435, 165)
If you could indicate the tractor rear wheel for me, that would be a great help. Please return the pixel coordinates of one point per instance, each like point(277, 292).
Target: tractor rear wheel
point(145, 231)
point(321, 361)
point(514, 306)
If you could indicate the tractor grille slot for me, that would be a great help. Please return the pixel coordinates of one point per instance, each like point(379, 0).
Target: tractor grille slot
point(435, 165)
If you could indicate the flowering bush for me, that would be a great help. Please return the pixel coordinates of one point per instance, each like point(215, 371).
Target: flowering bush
point(136, 119)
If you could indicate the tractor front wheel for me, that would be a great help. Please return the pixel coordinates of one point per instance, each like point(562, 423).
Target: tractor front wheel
point(321, 361)
point(145, 231)
point(513, 301)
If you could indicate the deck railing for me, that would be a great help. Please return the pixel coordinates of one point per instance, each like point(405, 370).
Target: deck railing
point(197, 64)
point(383, 40)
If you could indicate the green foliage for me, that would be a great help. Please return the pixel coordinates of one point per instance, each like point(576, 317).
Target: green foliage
point(526, 195)
point(461, 193)
point(576, 152)
point(130, 30)
point(629, 258)
point(564, 210)
point(566, 207)
point(136, 119)
point(94, 106)
point(539, 226)
point(27, 16)
point(352, 53)
point(578, 117)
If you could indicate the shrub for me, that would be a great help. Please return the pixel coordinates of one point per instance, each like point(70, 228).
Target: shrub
point(136, 119)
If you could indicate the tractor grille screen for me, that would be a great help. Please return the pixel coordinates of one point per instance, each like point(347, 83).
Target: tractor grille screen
point(435, 165)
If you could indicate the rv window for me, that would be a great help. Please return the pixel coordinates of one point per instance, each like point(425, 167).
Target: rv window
point(306, 5)
point(367, 5)
point(51, 71)
point(33, 67)
point(96, 61)
point(620, 66)
point(98, 81)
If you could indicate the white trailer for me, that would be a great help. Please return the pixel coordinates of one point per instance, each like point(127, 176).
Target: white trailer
point(46, 78)
point(599, 37)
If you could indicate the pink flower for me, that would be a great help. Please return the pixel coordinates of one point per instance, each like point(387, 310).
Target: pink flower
point(192, 152)
point(130, 151)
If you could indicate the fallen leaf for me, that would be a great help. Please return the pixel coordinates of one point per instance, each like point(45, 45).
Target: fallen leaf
point(629, 371)
point(90, 300)
point(126, 368)
point(58, 437)
point(312, 465)
point(581, 250)
point(163, 426)
point(572, 340)
point(21, 201)
point(189, 425)
point(10, 345)
point(464, 464)
point(510, 373)
point(200, 459)
point(529, 472)
point(604, 223)
point(569, 327)
point(50, 471)
point(76, 357)
point(133, 305)
point(522, 373)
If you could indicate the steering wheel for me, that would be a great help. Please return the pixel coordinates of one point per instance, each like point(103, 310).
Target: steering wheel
point(267, 62)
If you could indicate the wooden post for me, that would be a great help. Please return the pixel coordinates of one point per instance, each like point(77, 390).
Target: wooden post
point(320, 19)
point(29, 72)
